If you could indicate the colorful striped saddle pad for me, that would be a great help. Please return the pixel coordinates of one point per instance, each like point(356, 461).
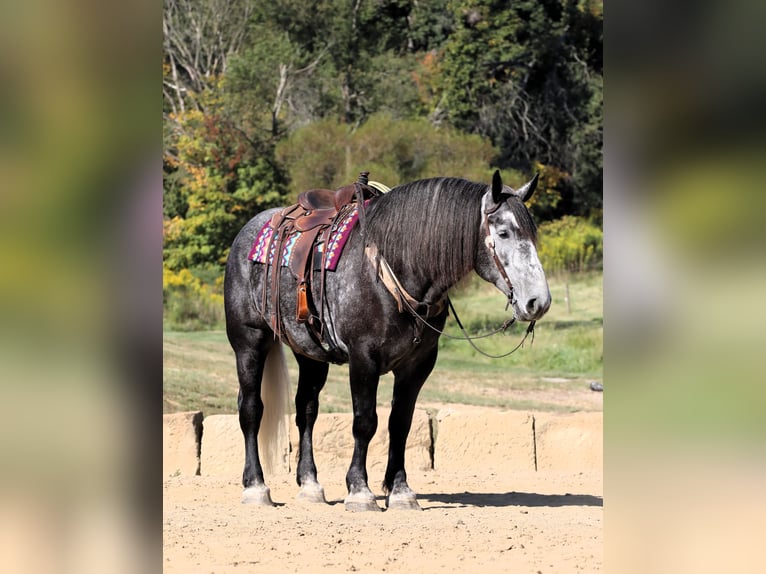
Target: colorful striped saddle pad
point(339, 234)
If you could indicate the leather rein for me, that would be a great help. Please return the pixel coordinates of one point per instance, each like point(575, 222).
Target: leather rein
point(407, 302)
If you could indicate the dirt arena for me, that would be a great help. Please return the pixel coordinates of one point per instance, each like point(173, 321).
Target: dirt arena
point(500, 491)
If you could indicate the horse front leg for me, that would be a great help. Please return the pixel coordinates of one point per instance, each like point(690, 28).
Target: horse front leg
point(250, 363)
point(311, 379)
point(364, 376)
point(408, 380)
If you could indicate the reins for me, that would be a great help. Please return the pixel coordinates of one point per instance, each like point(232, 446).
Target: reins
point(530, 329)
point(467, 337)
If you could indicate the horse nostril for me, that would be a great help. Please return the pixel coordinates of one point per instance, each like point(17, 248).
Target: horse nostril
point(532, 305)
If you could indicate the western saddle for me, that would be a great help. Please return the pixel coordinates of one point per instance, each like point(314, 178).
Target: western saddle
point(314, 216)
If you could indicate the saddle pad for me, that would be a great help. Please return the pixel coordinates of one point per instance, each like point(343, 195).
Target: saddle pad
point(338, 237)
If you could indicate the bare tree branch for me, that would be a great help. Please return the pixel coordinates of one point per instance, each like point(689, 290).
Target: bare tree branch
point(199, 37)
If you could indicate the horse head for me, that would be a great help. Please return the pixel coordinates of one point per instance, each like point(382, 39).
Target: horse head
point(508, 255)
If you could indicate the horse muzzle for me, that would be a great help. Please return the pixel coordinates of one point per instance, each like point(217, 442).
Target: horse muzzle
point(532, 308)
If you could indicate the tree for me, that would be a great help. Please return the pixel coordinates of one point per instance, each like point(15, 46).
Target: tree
point(198, 38)
point(528, 76)
point(216, 179)
point(218, 163)
point(410, 149)
point(261, 90)
point(338, 58)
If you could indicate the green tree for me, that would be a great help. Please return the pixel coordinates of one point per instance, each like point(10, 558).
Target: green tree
point(219, 180)
point(329, 154)
point(528, 76)
point(337, 58)
point(218, 162)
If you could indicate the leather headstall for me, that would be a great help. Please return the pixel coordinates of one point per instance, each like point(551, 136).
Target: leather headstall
point(490, 243)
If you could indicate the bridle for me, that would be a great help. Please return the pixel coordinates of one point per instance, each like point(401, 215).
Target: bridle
point(407, 302)
point(490, 244)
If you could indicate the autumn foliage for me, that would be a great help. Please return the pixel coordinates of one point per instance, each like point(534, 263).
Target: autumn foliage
point(264, 100)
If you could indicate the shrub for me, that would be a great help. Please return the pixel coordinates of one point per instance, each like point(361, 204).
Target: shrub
point(570, 244)
point(189, 303)
point(394, 151)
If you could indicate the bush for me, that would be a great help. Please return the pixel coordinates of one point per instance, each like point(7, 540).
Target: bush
point(394, 151)
point(570, 244)
point(189, 303)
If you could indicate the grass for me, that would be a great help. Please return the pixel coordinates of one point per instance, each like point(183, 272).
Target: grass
point(199, 372)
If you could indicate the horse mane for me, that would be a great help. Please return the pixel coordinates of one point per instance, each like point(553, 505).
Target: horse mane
point(433, 226)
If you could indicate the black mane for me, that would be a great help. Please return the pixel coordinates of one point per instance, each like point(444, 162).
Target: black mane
point(434, 225)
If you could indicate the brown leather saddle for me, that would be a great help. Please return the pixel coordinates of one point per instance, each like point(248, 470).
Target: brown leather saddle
point(313, 216)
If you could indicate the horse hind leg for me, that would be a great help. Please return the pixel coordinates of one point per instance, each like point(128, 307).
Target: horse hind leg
point(311, 379)
point(251, 358)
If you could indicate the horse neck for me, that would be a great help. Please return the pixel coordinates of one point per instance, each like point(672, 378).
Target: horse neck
point(435, 281)
point(433, 246)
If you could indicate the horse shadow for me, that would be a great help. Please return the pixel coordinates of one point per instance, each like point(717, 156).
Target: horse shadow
point(499, 500)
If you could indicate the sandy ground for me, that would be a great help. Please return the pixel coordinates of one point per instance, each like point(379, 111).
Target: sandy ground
point(528, 521)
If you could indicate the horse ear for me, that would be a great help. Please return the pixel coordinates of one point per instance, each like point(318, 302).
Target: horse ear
point(497, 187)
point(526, 190)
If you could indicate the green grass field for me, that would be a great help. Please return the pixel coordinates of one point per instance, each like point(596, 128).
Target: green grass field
point(199, 372)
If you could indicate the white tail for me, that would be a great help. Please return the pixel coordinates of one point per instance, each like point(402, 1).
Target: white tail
point(273, 436)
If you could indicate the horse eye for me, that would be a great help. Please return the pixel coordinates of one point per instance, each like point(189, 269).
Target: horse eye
point(502, 233)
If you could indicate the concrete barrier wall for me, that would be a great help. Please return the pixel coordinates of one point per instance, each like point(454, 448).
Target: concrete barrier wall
point(223, 448)
point(334, 441)
point(181, 440)
point(488, 440)
point(569, 441)
point(452, 439)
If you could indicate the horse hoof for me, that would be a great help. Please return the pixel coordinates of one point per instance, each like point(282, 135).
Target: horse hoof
point(403, 501)
point(312, 492)
point(258, 495)
point(361, 502)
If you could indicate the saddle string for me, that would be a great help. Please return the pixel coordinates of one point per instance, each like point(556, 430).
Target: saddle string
point(360, 184)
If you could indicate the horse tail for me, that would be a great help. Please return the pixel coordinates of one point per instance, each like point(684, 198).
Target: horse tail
point(273, 436)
